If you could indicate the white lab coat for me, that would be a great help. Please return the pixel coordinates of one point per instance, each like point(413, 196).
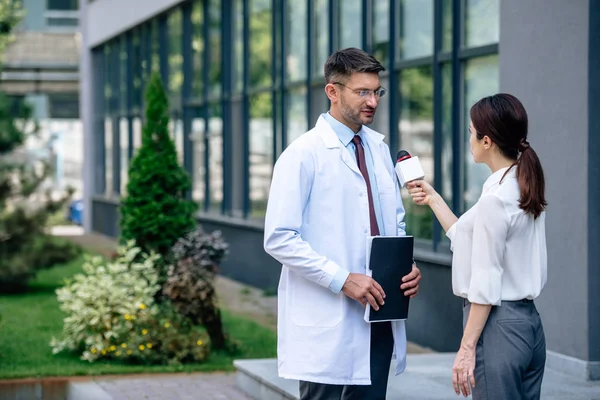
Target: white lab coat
point(317, 222)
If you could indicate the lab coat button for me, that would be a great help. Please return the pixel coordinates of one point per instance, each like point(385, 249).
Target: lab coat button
point(366, 230)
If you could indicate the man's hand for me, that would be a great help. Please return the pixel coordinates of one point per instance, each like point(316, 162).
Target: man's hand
point(411, 282)
point(363, 289)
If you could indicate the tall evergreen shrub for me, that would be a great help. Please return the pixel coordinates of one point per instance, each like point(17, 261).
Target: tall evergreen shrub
point(155, 211)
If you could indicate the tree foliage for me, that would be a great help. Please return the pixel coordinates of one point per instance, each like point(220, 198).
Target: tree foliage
point(11, 12)
point(25, 247)
point(156, 210)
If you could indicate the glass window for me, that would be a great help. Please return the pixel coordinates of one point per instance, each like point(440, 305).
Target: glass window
point(175, 58)
point(296, 37)
point(381, 122)
point(100, 167)
point(176, 132)
point(481, 80)
point(447, 148)
point(296, 114)
point(482, 22)
point(215, 156)
point(154, 45)
point(122, 73)
point(108, 82)
point(416, 137)
point(320, 35)
point(146, 62)
point(238, 46)
point(124, 153)
point(197, 49)
point(351, 23)
point(199, 172)
point(62, 5)
point(261, 152)
point(447, 25)
point(381, 31)
point(137, 65)
point(63, 105)
point(108, 156)
point(137, 133)
point(319, 104)
point(261, 42)
point(214, 72)
point(237, 159)
point(415, 28)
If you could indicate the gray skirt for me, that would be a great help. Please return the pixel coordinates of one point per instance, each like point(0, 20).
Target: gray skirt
point(511, 353)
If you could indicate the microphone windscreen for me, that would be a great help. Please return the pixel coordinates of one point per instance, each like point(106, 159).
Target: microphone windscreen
point(403, 154)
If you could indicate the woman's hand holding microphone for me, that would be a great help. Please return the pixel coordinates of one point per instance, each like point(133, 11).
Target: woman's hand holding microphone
point(424, 194)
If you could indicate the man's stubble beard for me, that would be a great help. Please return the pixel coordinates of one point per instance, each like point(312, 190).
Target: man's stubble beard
point(352, 116)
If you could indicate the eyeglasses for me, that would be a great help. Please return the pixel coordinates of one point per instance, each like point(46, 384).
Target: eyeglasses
point(366, 93)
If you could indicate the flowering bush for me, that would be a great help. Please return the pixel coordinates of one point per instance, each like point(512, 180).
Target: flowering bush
point(112, 314)
point(164, 338)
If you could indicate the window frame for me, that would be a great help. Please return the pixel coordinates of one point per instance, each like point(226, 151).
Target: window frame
point(235, 99)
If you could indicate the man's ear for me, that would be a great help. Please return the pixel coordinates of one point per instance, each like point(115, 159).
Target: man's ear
point(332, 92)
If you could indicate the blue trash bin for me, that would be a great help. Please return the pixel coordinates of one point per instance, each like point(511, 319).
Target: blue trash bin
point(75, 213)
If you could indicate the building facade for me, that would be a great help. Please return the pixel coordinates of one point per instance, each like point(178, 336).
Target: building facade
point(41, 67)
point(245, 78)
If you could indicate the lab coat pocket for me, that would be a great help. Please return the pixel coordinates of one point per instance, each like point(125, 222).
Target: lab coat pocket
point(314, 305)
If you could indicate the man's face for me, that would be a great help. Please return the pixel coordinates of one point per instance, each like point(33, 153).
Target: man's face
point(358, 100)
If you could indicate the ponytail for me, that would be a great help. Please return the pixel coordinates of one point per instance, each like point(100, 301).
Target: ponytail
point(530, 176)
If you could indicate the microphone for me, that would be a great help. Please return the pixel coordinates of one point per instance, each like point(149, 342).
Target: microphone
point(408, 168)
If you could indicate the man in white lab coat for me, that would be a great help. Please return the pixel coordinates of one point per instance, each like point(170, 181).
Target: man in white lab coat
point(331, 188)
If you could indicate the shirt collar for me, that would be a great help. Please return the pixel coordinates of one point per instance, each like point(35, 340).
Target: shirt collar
point(343, 133)
point(494, 179)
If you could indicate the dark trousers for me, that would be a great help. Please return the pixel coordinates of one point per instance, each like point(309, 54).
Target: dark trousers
point(510, 354)
point(382, 345)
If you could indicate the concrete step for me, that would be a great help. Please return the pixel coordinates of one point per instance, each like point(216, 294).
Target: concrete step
point(427, 377)
point(259, 380)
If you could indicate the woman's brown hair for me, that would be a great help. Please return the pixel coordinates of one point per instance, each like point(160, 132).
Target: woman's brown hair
point(503, 119)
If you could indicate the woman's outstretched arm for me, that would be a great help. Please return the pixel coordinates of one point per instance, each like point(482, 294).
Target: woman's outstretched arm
point(424, 194)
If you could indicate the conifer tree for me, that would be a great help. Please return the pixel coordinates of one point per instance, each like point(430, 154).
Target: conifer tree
point(155, 211)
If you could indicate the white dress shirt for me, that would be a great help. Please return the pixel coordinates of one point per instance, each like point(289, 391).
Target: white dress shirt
point(499, 252)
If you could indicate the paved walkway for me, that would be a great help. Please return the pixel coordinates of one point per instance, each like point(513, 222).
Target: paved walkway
point(215, 386)
point(427, 377)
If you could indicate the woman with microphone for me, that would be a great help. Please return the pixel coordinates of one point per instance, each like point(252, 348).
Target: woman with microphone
point(499, 258)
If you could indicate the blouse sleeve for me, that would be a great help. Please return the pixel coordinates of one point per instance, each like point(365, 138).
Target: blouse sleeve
point(451, 234)
point(489, 242)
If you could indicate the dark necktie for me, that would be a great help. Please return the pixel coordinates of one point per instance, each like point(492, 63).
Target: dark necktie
point(362, 165)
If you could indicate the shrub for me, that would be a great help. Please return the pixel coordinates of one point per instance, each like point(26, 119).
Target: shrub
point(190, 281)
point(41, 252)
point(49, 251)
point(111, 314)
point(162, 338)
point(24, 210)
point(155, 211)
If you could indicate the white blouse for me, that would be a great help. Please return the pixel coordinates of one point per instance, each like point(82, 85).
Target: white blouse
point(499, 252)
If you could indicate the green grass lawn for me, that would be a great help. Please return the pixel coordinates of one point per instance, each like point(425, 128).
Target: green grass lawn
point(30, 320)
